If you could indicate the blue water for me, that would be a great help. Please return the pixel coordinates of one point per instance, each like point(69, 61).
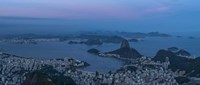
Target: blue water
point(61, 50)
point(148, 47)
point(151, 45)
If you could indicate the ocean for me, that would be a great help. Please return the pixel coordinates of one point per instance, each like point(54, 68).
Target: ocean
point(147, 47)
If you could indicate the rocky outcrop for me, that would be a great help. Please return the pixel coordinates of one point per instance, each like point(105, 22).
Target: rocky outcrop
point(162, 54)
point(177, 62)
point(125, 44)
point(125, 51)
point(183, 53)
point(47, 76)
point(173, 49)
point(37, 78)
point(93, 51)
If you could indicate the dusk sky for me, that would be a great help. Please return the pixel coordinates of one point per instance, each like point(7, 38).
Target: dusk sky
point(122, 15)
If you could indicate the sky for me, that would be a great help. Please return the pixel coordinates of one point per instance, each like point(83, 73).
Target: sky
point(17, 16)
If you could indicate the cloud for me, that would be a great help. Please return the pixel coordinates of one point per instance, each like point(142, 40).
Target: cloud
point(157, 9)
point(87, 9)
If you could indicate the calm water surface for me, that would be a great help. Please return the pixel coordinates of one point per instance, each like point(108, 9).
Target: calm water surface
point(148, 47)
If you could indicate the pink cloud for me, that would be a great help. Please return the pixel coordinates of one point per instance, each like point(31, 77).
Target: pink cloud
point(80, 11)
point(157, 9)
point(99, 11)
point(70, 12)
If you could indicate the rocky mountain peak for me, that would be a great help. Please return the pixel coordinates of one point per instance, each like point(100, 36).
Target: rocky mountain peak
point(125, 44)
point(183, 53)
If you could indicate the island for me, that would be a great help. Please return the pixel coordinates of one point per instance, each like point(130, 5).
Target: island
point(87, 42)
point(124, 52)
point(134, 40)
